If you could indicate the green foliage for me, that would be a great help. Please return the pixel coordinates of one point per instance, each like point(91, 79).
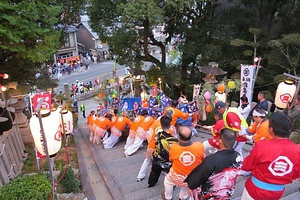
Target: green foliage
point(70, 182)
point(30, 32)
point(286, 52)
point(27, 187)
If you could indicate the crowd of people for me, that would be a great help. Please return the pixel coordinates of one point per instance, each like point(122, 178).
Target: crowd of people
point(208, 170)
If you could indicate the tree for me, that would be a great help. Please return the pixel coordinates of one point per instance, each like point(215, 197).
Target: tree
point(128, 25)
point(30, 32)
point(286, 52)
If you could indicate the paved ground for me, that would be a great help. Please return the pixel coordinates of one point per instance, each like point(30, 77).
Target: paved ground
point(107, 174)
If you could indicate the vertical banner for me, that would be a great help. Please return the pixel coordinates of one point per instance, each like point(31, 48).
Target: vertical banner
point(196, 91)
point(247, 81)
point(46, 103)
point(154, 90)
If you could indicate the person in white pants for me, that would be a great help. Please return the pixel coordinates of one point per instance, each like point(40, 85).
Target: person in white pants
point(116, 131)
point(140, 134)
point(132, 132)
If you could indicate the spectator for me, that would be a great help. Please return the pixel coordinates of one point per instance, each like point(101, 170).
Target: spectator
point(263, 103)
point(244, 107)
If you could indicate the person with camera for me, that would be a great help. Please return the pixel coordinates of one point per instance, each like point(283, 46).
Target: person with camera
point(163, 141)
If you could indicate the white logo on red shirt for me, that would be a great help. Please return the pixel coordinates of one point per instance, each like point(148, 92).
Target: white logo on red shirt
point(281, 166)
point(187, 158)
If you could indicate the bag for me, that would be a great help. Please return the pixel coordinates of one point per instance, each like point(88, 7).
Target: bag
point(162, 146)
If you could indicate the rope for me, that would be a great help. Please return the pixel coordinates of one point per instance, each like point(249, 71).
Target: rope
point(65, 170)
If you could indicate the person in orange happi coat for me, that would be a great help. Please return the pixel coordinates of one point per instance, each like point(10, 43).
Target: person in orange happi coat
point(102, 124)
point(140, 133)
point(119, 124)
point(176, 113)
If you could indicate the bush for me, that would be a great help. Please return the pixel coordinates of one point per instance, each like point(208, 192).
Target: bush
point(70, 182)
point(27, 187)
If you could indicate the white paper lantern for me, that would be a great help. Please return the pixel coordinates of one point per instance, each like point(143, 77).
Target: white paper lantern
point(284, 93)
point(221, 97)
point(68, 121)
point(51, 125)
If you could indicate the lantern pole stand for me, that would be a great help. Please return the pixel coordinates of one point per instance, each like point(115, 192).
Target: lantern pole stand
point(64, 132)
point(38, 110)
point(296, 78)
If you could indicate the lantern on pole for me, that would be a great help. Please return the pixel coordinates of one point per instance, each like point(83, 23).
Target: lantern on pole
point(285, 93)
point(67, 121)
point(51, 126)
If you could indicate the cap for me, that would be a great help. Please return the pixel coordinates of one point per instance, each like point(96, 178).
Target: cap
point(220, 104)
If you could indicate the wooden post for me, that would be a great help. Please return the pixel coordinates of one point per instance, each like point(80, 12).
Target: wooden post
point(297, 79)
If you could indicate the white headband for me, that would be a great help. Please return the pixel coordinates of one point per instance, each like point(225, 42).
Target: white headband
point(257, 114)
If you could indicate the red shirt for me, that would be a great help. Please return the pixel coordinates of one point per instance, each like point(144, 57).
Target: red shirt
point(219, 125)
point(275, 161)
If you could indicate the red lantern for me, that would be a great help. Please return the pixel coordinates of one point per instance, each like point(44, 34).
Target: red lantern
point(51, 126)
point(284, 93)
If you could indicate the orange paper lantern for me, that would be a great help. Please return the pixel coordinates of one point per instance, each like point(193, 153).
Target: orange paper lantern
point(100, 95)
point(208, 108)
point(221, 88)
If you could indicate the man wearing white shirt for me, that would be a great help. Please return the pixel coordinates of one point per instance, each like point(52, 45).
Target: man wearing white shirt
point(244, 107)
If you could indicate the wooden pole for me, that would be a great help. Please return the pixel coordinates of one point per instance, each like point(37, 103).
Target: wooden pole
point(297, 79)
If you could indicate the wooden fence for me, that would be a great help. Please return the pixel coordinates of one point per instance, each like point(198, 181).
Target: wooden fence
point(12, 155)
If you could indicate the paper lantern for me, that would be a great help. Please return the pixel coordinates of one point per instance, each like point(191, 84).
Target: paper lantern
point(221, 88)
point(111, 80)
point(115, 92)
point(113, 96)
point(51, 126)
point(221, 97)
point(208, 108)
point(68, 121)
point(231, 84)
point(284, 93)
point(100, 95)
point(207, 95)
point(145, 104)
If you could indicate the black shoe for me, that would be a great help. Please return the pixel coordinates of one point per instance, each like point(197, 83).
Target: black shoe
point(140, 179)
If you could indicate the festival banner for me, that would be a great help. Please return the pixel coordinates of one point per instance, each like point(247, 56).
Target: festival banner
point(152, 102)
point(46, 103)
point(164, 100)
point(247, 81)
point(196, 91)
point(130, 103)
point(192, 107)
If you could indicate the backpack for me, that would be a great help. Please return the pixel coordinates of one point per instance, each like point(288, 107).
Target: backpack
point(162, 146)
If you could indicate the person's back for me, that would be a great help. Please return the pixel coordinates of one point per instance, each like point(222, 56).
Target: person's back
point(218, 172)
point(176, 113)
point(273, 163)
